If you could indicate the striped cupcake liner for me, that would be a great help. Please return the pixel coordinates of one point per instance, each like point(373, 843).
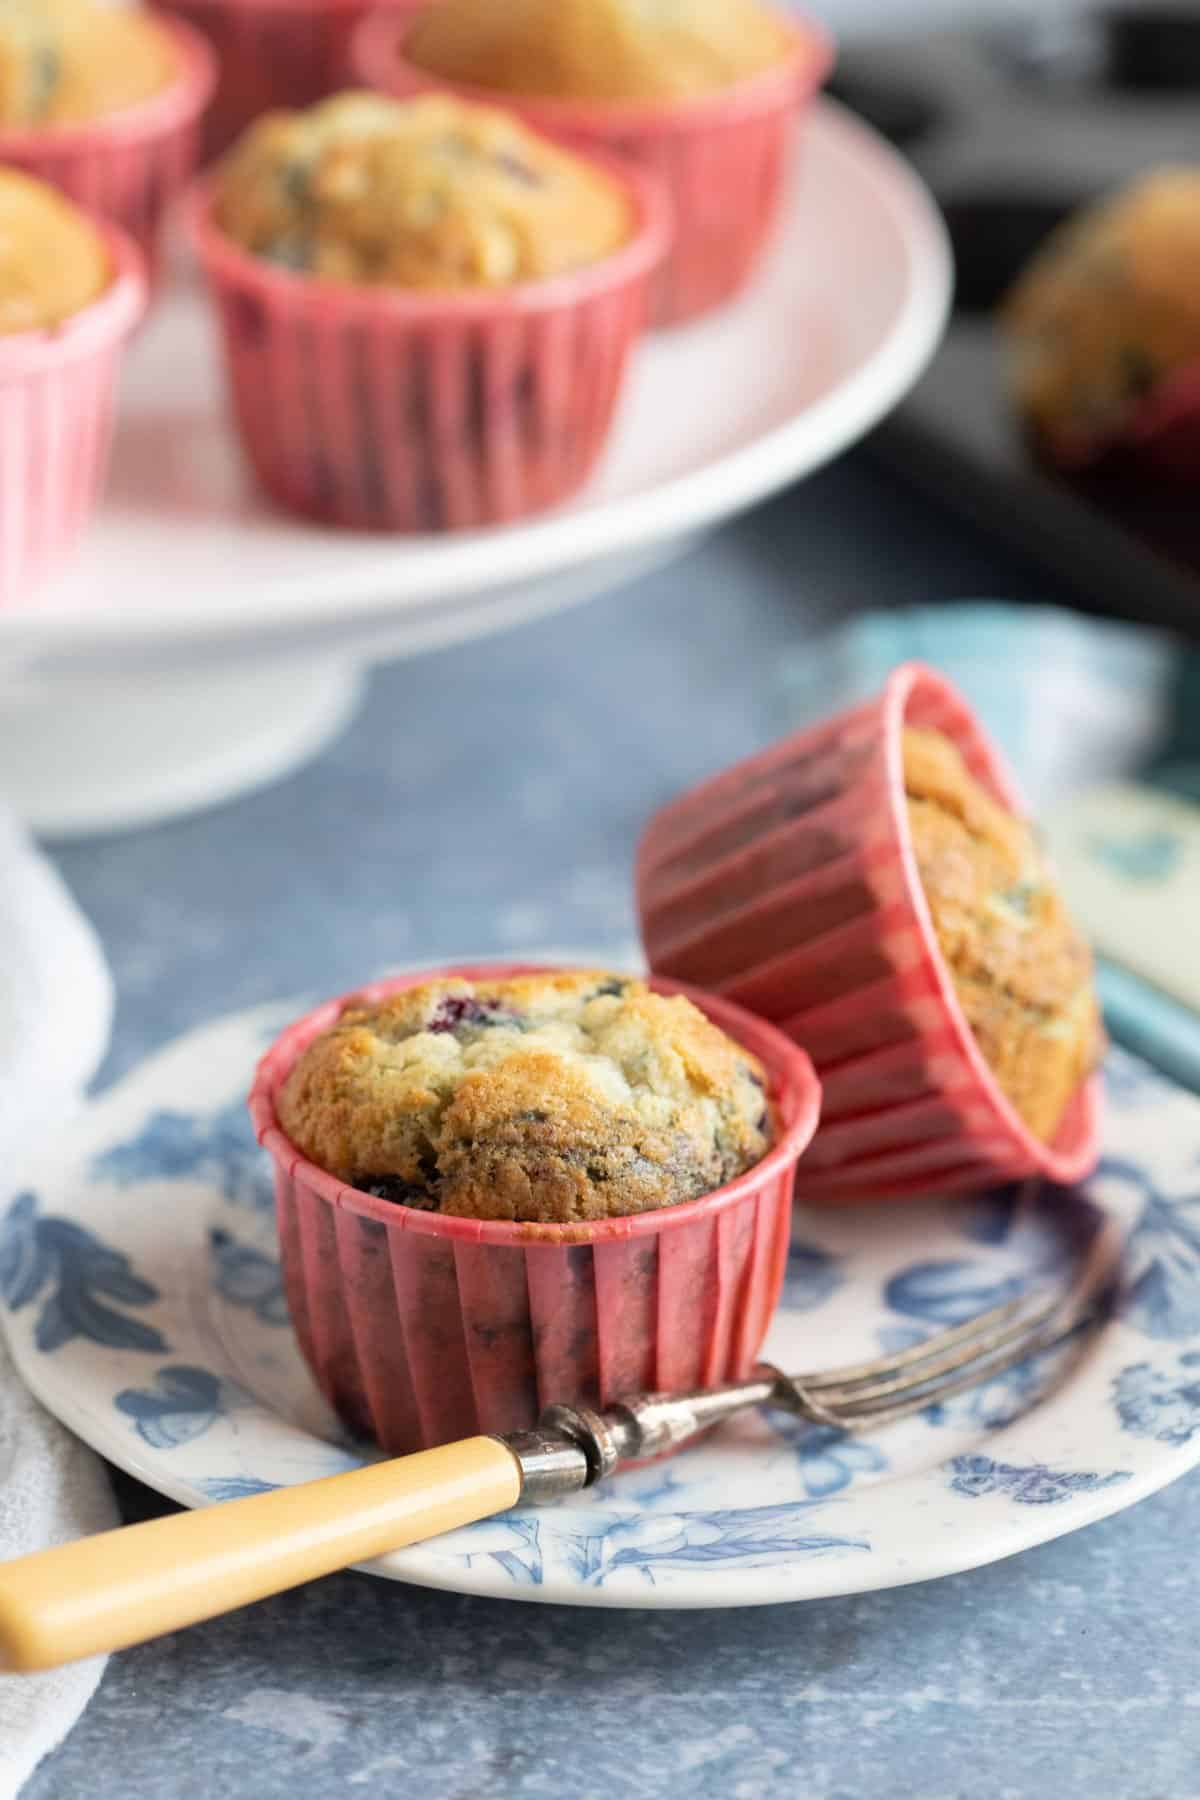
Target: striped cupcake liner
point(788, 885)
point(422, 411)
point(721, 159)
point(130, 167)
point(57, 395)
point(270, 53)
point(420, 1329)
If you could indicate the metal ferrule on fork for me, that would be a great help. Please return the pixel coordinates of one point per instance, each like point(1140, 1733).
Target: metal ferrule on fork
point(573, 1447)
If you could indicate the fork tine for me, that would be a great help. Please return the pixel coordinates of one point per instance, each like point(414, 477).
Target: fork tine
point(873, 1415)
point(944, 1355)
point(974, 1331)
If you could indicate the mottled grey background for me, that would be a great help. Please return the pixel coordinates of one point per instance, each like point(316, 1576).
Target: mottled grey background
point(488, 799)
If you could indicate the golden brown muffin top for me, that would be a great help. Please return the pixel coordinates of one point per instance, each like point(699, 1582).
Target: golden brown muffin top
point(63, 62)
point(427, 193)
point(554, 1098)
point(1022, 972)
point(53, 261)
point(608, 50)
point(1107, 308)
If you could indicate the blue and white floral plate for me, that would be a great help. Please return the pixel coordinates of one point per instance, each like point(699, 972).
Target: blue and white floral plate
point(141, 1296)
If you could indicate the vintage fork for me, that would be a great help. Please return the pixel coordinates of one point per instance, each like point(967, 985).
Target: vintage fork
point(118, 1588)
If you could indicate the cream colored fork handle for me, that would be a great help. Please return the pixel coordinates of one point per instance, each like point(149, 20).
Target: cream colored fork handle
point(105, 1592)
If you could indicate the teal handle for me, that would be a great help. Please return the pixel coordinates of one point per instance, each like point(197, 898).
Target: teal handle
point(1143, 1019)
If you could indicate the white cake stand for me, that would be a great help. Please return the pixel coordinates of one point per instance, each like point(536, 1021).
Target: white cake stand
point(204, 644)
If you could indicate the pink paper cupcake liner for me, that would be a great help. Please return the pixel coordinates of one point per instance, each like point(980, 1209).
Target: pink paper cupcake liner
point(788, 885)
point(428, 411)
point(420, 1329)
point(57, 389)
point(270, 53)
point(1166, 432)
point(721, 158)
point(130, 166)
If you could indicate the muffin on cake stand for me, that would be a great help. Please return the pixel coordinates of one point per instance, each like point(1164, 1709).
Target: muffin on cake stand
point(205, 642)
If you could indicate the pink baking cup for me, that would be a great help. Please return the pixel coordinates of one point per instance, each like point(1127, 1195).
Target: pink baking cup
point(721, 158)
point(421, 1329)
point(130, 166)
point(56, 414)
point(417, 410)
point(270, 53)
point(1165, 433)
point(1162, 438)
point(788, 884)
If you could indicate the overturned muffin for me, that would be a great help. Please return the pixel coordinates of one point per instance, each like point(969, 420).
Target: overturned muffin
point(426, 193)
point(1106, 313)
point(614, 50)
point(53, 261)
point(553, 1098)
point(65, 62)
point(1022, 973)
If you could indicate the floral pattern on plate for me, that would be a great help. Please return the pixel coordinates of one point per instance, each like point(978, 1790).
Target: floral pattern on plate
point(140, 1290)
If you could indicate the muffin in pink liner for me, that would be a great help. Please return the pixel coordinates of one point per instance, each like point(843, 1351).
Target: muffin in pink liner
point(270, 53)
point(422, 1327)
point(1103, 328)
point(789, 884)
point(721, 157)
point(57, 392)
point(427, 409)
point(127, 166)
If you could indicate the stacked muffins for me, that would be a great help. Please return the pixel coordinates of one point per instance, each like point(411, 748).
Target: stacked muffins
point(427, 303)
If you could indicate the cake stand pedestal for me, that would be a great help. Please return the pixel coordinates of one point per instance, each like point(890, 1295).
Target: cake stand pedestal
point(116, 752)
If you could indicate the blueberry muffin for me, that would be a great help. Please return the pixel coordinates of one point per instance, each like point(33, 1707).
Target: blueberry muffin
point(1022, 973)
point(554, 1098)
point(53, 262)
point(1107, 311)
point(66, 62)
point(427, 193)
point(605, 50)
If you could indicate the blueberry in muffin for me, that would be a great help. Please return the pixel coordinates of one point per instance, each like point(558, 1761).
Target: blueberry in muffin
point(53, 261)
point(427, 193)
point(1108, 310)
point(604, 50)
point(549, 1098)
point(1021, 971)
point(65, 62)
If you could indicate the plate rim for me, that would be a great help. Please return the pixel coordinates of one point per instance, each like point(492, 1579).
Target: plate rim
point(885, 1564)
point(471, 566)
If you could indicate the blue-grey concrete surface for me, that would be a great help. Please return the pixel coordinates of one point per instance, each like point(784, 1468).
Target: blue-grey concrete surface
point(488, 799)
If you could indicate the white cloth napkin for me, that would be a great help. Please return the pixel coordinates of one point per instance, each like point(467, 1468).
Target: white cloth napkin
point(55, 1016)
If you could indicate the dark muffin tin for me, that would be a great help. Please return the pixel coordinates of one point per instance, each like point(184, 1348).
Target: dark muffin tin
point(1013, 130)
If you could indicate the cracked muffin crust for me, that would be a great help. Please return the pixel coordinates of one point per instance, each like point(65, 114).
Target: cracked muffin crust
point(64, 62)
point(606, 50)
point(1021, 970)
point(549, 1098)
point(1106, 312)
point(425, 193)
point(53, 261)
